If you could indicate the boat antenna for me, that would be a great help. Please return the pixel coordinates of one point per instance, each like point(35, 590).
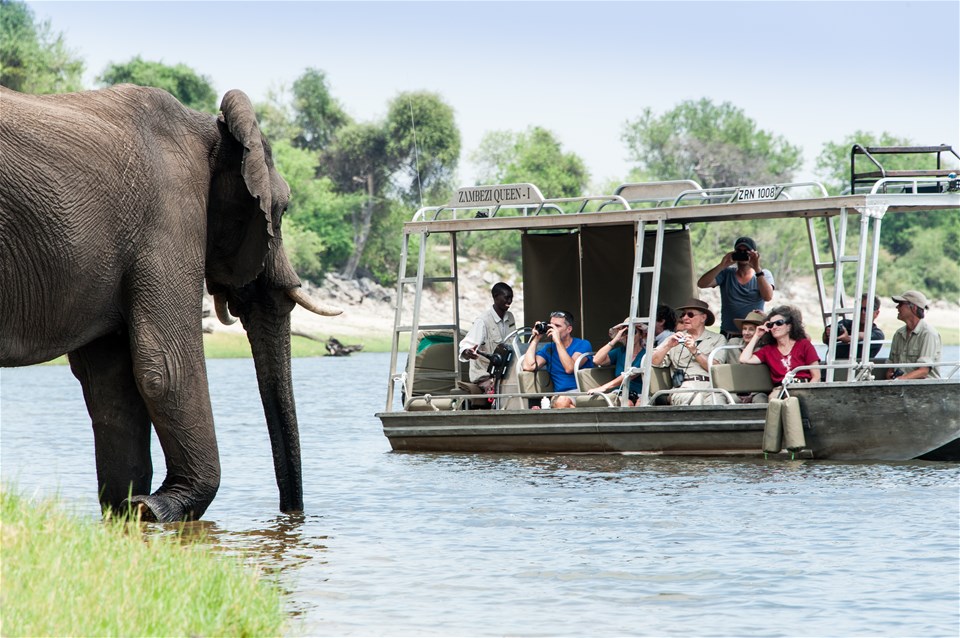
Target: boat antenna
point(416, 152)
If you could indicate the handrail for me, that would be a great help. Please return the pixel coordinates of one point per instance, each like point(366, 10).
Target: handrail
point(881, 184)
point(553, 203)
point(729, 194)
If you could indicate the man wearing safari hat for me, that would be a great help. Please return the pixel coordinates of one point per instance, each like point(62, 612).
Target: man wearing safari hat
point(744, 286)
point(916, 342)
point(689, 350)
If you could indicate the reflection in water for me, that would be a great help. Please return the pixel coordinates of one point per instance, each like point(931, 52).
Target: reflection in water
point(500, 544)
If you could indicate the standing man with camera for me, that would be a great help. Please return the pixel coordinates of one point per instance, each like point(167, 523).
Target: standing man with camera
point(744, 285)
point(558, 356)
point(489, 330)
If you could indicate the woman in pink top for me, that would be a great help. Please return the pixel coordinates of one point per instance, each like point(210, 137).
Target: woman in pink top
point(785, 346)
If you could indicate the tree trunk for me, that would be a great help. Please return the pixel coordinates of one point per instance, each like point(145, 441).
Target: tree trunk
point(363, 233)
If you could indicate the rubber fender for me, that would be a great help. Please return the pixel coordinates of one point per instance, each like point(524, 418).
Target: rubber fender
point(772, 432)
point(792, 424)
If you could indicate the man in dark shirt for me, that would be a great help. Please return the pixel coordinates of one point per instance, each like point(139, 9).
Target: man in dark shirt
point(846, 327)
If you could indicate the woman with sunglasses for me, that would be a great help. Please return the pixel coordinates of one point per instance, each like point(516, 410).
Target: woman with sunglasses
point(784, 345)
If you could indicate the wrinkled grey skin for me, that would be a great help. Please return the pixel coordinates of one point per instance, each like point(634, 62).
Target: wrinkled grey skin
point(115, 206)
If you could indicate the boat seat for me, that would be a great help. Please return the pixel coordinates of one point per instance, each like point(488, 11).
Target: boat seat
point(660, 380)
point(741, 378)
point(590, 378)
point(531, 383)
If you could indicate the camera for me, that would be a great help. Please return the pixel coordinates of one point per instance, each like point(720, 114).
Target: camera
point(541, 327)
point(741, 255)
point(500, 361)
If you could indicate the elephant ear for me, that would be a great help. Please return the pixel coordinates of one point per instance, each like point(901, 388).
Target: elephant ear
point(241, 120)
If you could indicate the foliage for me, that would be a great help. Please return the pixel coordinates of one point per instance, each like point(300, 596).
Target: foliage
point(422, 147)
point(921, 250)
point(713, 145)
point(32, 58)
point(534, 156)
point(317, 114)
point(316, 236)
point(276, 116)
point(179, 587)
point(833, 163)
point(193, 90)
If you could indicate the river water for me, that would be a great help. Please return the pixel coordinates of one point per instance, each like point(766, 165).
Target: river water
point(483, 545)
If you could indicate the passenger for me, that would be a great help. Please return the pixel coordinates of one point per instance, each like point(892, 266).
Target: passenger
point(666, 324)
point(687, 351)
point(615, 353)
point(748, 327)
point(489, 330)
point(743, 287)
point(916, 342)
point(846, 325)
point(784, 345)
point(557, 356)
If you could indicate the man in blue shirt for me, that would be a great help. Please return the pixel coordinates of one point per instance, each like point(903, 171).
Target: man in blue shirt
point(744, 285)
point(558, 356)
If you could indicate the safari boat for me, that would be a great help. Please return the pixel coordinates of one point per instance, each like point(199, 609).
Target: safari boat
point(624, 253)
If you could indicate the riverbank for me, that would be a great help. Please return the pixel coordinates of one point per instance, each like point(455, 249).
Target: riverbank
point(64, 576)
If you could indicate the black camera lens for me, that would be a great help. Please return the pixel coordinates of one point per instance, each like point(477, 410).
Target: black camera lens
point(541, 327)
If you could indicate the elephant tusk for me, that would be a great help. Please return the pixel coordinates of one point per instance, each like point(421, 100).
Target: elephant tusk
point(304, 300)
point(223, 313)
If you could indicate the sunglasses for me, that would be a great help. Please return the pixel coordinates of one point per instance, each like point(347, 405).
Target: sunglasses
point(691, 314)
point(778, 322)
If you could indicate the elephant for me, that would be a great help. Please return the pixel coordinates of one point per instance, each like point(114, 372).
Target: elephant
point(116, 207)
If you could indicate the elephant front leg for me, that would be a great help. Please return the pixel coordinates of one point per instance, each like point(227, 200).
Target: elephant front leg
point(121, 423)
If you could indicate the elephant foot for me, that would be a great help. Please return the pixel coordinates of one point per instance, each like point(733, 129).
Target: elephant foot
point(156, 508)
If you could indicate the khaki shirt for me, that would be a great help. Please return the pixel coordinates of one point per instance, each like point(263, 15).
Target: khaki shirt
point(679, 358)
point(488, 331)
point(920, 346)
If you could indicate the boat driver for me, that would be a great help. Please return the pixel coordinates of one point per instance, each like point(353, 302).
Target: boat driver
point(489, 330)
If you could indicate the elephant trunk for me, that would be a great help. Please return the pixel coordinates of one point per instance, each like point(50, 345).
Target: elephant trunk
point(269, 335)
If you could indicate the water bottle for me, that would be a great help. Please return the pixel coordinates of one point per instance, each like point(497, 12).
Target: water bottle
point(545, 403)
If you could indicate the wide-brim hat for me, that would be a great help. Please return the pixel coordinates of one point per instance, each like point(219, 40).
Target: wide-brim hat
point(915, 297)
point(754, 317)
point(702, 306)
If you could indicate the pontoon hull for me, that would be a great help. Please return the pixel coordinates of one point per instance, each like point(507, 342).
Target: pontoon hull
point(881, 421)
point(735, 430)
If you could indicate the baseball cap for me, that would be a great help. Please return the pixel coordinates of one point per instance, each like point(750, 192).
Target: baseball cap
point(915, 297)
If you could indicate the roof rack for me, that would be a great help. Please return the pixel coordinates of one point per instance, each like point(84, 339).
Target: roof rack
point(866, 180)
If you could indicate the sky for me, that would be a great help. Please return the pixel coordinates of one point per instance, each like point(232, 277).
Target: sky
point(813, 72)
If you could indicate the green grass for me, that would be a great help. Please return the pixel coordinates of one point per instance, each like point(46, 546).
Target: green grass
point(64, 576)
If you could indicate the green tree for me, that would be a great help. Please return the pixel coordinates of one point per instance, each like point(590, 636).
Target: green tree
point(423, 146)
point(833, 163)
point(317, 114)
point(534, 156)
point(315, 222)
point(185, 84)
point(716, 145)
point(919, 250)
point(33, 59)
